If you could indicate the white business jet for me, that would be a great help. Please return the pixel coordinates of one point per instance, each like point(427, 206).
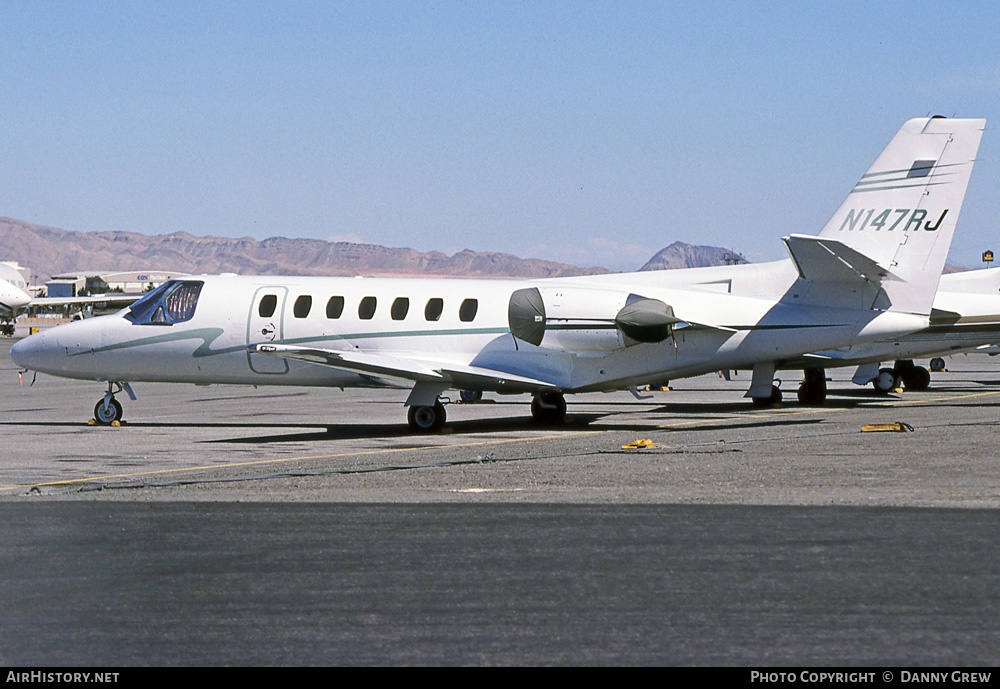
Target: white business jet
point(871, 273)
point(13, 300)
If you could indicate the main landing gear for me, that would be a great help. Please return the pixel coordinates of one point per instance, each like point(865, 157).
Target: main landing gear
point(904, 373)
point(812, 390)
point(914, 377)
point(108, 409)
point(763, 389)
point(471, 396)
point(424, 419)
point(548, 408)
point(772, 399)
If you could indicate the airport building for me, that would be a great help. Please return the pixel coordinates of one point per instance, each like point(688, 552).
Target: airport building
point(96, 282)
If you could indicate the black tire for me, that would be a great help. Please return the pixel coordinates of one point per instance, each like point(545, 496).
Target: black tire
point(937, 364)
point(105, 415)
point(548, 409)
point(918, 378)
point(426, 419)
point(886, 381)
point(470, 396)
point(812, 391)
point(775, 398)
point(811, 394)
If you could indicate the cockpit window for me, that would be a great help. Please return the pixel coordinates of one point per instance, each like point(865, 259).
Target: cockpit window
point(172, 302)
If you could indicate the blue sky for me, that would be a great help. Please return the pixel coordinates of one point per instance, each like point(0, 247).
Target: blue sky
point(593, 133)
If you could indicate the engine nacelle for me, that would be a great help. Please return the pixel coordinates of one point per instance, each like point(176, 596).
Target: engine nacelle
point(578, 319)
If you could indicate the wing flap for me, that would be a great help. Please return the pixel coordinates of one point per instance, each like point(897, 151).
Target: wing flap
point(379, 364)
point(455, 375)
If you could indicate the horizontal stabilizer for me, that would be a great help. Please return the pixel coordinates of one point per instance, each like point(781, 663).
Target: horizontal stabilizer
point(455, 375)
point(819, 259)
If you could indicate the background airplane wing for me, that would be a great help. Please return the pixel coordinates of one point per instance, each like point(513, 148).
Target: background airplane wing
point(122, 299)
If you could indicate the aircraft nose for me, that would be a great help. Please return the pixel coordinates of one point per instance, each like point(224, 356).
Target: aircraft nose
point(65, 350)
point(44, 351)
point(30, 352)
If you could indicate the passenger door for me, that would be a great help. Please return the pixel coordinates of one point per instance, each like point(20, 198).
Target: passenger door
point(265, 324)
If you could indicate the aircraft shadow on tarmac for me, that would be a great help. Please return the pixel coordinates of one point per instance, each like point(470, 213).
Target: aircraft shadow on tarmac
point(396, 431)
point(573, 422)
point(654, 413)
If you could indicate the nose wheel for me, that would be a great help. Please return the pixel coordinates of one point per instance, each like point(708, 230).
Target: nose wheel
point(108, 410)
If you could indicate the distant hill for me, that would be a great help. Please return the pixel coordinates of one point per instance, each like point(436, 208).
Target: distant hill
point(681, 255)
point(50, 251)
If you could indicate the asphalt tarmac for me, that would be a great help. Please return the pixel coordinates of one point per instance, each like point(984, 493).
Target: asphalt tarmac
point(238, 526)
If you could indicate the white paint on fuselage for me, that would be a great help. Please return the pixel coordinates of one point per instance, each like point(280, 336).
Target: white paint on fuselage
point(212, 346)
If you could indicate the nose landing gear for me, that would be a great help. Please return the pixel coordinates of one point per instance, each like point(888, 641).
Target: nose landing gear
point(108, 409)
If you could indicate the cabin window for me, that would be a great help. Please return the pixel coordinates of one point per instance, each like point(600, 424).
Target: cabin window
point(302, 306)
point(434, 308)
point(267, 305)
point(467, 311)
point(172, 302)
point(334, 307)
point(399, 308)
point(366, 309)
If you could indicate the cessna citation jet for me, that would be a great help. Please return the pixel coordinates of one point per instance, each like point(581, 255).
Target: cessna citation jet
point(870, 274)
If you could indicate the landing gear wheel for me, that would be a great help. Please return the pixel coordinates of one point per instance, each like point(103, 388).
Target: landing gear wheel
point(917, 378)
point(548, 409)
point(886, 381)
point(937, 364)
point(775, 398)
point(426, 419)
point(107, 411)
point(812, 391)
point(470, 396)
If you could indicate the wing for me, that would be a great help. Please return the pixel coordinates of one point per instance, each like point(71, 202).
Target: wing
point(445, 374)
point(121, 299)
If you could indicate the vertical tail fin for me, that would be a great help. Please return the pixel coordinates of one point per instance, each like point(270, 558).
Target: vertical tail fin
point(903, 212)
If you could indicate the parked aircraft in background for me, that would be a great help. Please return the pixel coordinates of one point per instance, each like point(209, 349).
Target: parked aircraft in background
point(965, 317)
point(870, 274)
point(13, 300)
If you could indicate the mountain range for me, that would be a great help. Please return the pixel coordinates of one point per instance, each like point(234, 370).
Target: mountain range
point(51, 251)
